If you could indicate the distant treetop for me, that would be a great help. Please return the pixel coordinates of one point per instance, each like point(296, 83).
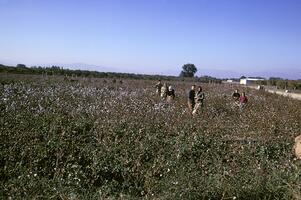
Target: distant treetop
point(188, 70)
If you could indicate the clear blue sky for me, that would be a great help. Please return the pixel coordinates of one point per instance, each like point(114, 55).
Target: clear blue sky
point(154, 36)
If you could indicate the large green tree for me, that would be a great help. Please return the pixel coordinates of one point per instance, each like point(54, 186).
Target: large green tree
point(188, 70)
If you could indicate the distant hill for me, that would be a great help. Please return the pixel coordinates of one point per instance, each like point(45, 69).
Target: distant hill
point(288, 73)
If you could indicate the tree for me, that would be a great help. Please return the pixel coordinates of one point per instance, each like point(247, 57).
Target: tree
point(281, 84)
point(188, 70)
point(21, 66)
point(273, 80)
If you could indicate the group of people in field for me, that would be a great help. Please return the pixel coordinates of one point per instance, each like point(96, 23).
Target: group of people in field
point(196, 97)
point(166, 92)
point(240, 99)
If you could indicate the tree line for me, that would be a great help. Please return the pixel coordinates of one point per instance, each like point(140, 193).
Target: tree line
point(57, 70)
point(281, 83)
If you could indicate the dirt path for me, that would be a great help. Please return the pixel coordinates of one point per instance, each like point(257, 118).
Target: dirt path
point(280, 92)
point(291, 95)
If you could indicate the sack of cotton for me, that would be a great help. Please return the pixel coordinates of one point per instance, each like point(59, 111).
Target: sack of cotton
point(297, 147)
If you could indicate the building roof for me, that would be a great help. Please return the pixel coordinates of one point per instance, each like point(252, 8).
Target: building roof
point(252, 79)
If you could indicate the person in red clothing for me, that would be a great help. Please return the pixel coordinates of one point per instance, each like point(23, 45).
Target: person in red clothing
point(243, 100)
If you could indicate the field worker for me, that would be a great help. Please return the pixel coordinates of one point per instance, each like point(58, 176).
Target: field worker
point(243, 100)
point(164, 91)
point(191, 99)
point(199, 100)
point(170, 94)
point(235, 95)
point(158, 88)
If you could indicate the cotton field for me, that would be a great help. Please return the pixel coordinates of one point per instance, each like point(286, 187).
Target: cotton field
point(96, 139)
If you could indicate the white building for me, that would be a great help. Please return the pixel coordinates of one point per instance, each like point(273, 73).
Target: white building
point(247, 81)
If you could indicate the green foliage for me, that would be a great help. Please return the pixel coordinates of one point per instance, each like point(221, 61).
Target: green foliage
point(101, 140)
point(188, 70)
point(281, 83)
point(21, 66)
point(208, 79)
point(56, 70)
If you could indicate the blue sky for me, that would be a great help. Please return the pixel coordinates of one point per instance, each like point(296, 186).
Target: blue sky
point(247, 37)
